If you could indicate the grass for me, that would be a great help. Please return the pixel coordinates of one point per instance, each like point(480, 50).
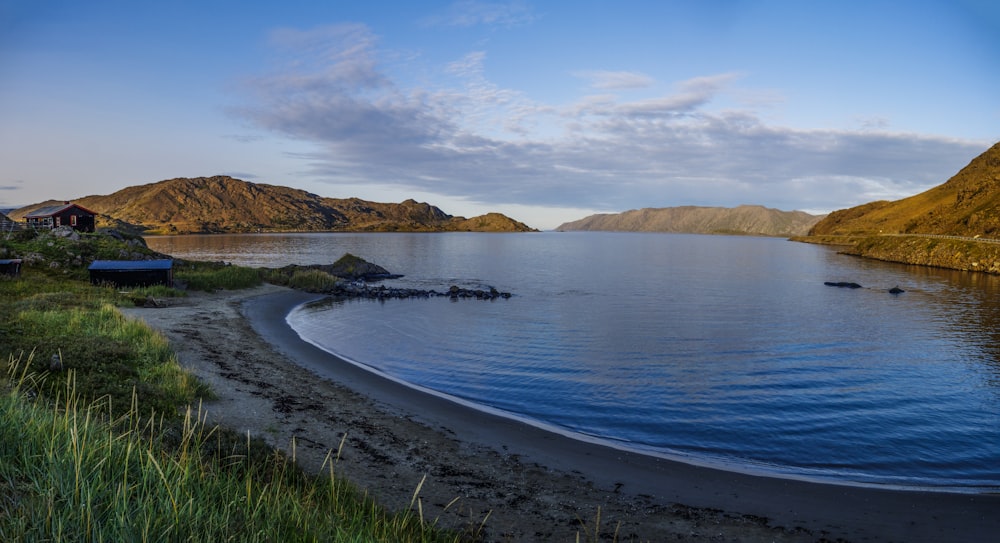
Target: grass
point(312, 280)
point(208, 277)
point(99, 442)
point(78, 472)
point(65, 325)
point(303, 279)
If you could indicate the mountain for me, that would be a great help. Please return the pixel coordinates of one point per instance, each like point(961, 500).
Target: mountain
point(752, 220)
point(224, 204)
point(968, 204)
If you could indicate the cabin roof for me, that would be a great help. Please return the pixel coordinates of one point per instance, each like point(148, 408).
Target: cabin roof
point(49, 211)
point(131, 265)
point(7, 261)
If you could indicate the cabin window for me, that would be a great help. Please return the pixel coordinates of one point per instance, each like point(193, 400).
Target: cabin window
point(58, 222)
point(72, 220)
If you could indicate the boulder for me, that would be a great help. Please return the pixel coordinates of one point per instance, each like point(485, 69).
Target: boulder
point(841, 284)
point(354, 268)
point(66, 232)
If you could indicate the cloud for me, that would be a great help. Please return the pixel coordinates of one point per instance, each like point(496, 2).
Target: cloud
point(469, 138)
point(240, 175)
point(605, 80)
point(470, 13)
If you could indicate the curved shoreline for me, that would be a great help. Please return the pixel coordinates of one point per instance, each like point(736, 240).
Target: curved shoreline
point(720, 464)
point(848, 512)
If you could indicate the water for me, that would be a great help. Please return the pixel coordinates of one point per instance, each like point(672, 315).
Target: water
point(711, 348)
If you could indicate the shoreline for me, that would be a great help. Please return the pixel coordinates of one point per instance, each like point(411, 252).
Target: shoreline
point(718, 464)
point(528, 483)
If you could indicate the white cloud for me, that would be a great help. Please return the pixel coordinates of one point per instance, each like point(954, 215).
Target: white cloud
point(468, 13)
point(607, 80)
point(473, 140)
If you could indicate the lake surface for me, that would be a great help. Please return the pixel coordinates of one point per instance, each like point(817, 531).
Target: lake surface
point(714, 349)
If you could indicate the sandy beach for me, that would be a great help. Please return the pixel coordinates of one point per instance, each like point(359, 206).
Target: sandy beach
point(503, 479)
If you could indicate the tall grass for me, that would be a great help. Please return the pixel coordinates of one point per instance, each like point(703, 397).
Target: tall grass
point(111, 355)
point(312, 280)
point(74, 473)
point(102, 448)
point(209, 278)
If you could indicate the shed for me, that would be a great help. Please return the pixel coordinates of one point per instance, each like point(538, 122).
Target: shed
point(67, 214)
point(132, 273)
point(11, 267)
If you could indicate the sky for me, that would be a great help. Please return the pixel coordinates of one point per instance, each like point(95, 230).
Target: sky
point(547, 111)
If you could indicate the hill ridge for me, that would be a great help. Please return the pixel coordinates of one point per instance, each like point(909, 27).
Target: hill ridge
point(744, 219)
point(223, 204)
point(967, 204)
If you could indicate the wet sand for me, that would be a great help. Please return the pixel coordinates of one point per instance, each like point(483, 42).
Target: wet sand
point(503, 479)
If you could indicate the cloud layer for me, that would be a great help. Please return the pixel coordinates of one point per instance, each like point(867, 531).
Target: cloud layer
point(467, 137)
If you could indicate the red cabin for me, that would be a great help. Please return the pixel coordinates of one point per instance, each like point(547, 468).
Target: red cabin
point(68, 214)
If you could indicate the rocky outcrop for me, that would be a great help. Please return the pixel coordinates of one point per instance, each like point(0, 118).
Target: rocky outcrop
point(354, 268)
point(939, 252)
point(382, 292)
point(350, 277)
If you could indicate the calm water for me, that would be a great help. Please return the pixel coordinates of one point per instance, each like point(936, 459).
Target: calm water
point(716, 349)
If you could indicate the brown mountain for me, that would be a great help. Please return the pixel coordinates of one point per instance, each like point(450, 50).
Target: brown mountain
point(968, 204)
point(751, 220)
point(224, 204)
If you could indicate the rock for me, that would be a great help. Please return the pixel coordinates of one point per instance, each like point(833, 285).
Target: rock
point(896, 290)
point(66, 232)
point(353, 268)
point(114, 234)
point(56, 364)
point(841, 284)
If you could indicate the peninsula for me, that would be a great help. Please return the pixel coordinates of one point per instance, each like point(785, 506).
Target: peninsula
point(955, 225)
point(222, 204)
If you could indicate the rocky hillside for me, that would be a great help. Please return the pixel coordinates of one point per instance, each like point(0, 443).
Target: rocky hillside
point(968, 205)
point(751, 220)
point(224, 204)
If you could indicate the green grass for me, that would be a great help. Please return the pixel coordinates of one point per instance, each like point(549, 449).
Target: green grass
point(77, 473)
point(107, 447)
point(78, 327)
point(312, 280)
point(209, 277)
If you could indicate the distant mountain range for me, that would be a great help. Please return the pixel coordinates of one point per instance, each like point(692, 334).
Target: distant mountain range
point(968, 205)
point(224, 204)
point(746, 219)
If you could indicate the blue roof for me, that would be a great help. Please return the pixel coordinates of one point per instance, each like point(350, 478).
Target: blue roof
point(132, 265)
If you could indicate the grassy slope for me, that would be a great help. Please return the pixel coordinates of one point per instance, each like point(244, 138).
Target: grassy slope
point(82, 459)
point(968, 204)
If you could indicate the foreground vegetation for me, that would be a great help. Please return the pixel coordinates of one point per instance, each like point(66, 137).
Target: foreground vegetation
point(99, 440)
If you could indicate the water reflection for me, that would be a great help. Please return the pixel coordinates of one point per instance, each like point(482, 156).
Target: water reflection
point(704, 345)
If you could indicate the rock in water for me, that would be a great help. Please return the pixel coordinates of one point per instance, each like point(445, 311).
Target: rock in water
point(841, 284)
point(353, 267)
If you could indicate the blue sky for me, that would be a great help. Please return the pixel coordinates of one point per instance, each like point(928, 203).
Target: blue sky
point(545, 111)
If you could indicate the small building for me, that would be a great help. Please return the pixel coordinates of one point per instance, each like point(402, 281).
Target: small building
point(132, 273)
point(10, 267)
point(67, 214)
